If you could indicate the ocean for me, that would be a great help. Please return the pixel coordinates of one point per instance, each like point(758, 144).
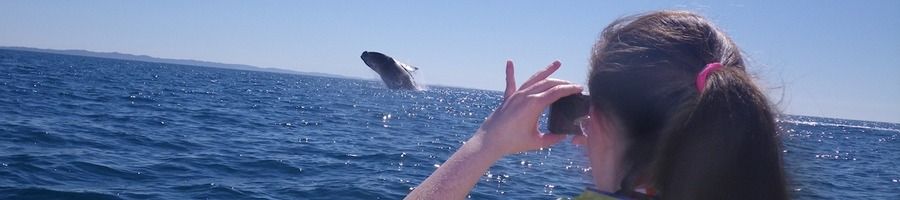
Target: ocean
point(91, 128)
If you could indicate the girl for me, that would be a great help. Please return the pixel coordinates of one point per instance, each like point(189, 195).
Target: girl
point(673, 114)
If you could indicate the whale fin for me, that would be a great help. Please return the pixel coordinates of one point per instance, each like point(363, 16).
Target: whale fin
point(408, 67)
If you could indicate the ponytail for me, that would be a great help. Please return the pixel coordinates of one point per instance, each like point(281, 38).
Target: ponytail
point(726, 147)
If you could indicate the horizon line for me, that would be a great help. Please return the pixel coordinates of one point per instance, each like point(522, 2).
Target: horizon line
point(279, 70)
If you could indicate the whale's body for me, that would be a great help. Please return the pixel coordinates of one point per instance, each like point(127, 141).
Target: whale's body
point(395, 75)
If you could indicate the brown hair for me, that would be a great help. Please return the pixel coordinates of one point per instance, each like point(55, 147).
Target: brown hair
point(720, 143)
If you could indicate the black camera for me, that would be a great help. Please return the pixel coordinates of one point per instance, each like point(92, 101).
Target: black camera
point(565, 113)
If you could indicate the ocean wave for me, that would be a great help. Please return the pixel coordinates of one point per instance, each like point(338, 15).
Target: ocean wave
point(817, 123)
point(51, 194)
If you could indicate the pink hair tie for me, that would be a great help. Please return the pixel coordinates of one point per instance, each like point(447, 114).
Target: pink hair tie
point(701, 78)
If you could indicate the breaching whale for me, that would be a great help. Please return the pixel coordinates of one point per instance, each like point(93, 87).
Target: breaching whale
point(395, 75)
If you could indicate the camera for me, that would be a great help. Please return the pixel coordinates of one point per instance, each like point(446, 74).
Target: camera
point(565, 113)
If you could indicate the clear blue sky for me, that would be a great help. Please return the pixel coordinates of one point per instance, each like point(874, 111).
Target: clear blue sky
point(833, 58)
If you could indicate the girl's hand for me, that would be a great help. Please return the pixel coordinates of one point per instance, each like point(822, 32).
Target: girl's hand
point(513, 127)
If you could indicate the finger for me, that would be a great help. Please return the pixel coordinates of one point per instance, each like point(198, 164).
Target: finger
point(510, 80)
point(543, 85)
point(557, 92)
point(547, 140)
point(541, 75)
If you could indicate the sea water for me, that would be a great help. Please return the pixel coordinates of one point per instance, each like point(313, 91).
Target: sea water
point(90, 128)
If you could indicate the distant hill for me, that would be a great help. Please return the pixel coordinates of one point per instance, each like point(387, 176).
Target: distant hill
point(145, 58)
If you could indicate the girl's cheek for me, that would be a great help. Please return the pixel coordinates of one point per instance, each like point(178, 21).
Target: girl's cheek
point(579, 140)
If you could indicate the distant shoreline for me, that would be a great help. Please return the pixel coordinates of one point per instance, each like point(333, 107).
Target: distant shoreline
point(146, 58)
